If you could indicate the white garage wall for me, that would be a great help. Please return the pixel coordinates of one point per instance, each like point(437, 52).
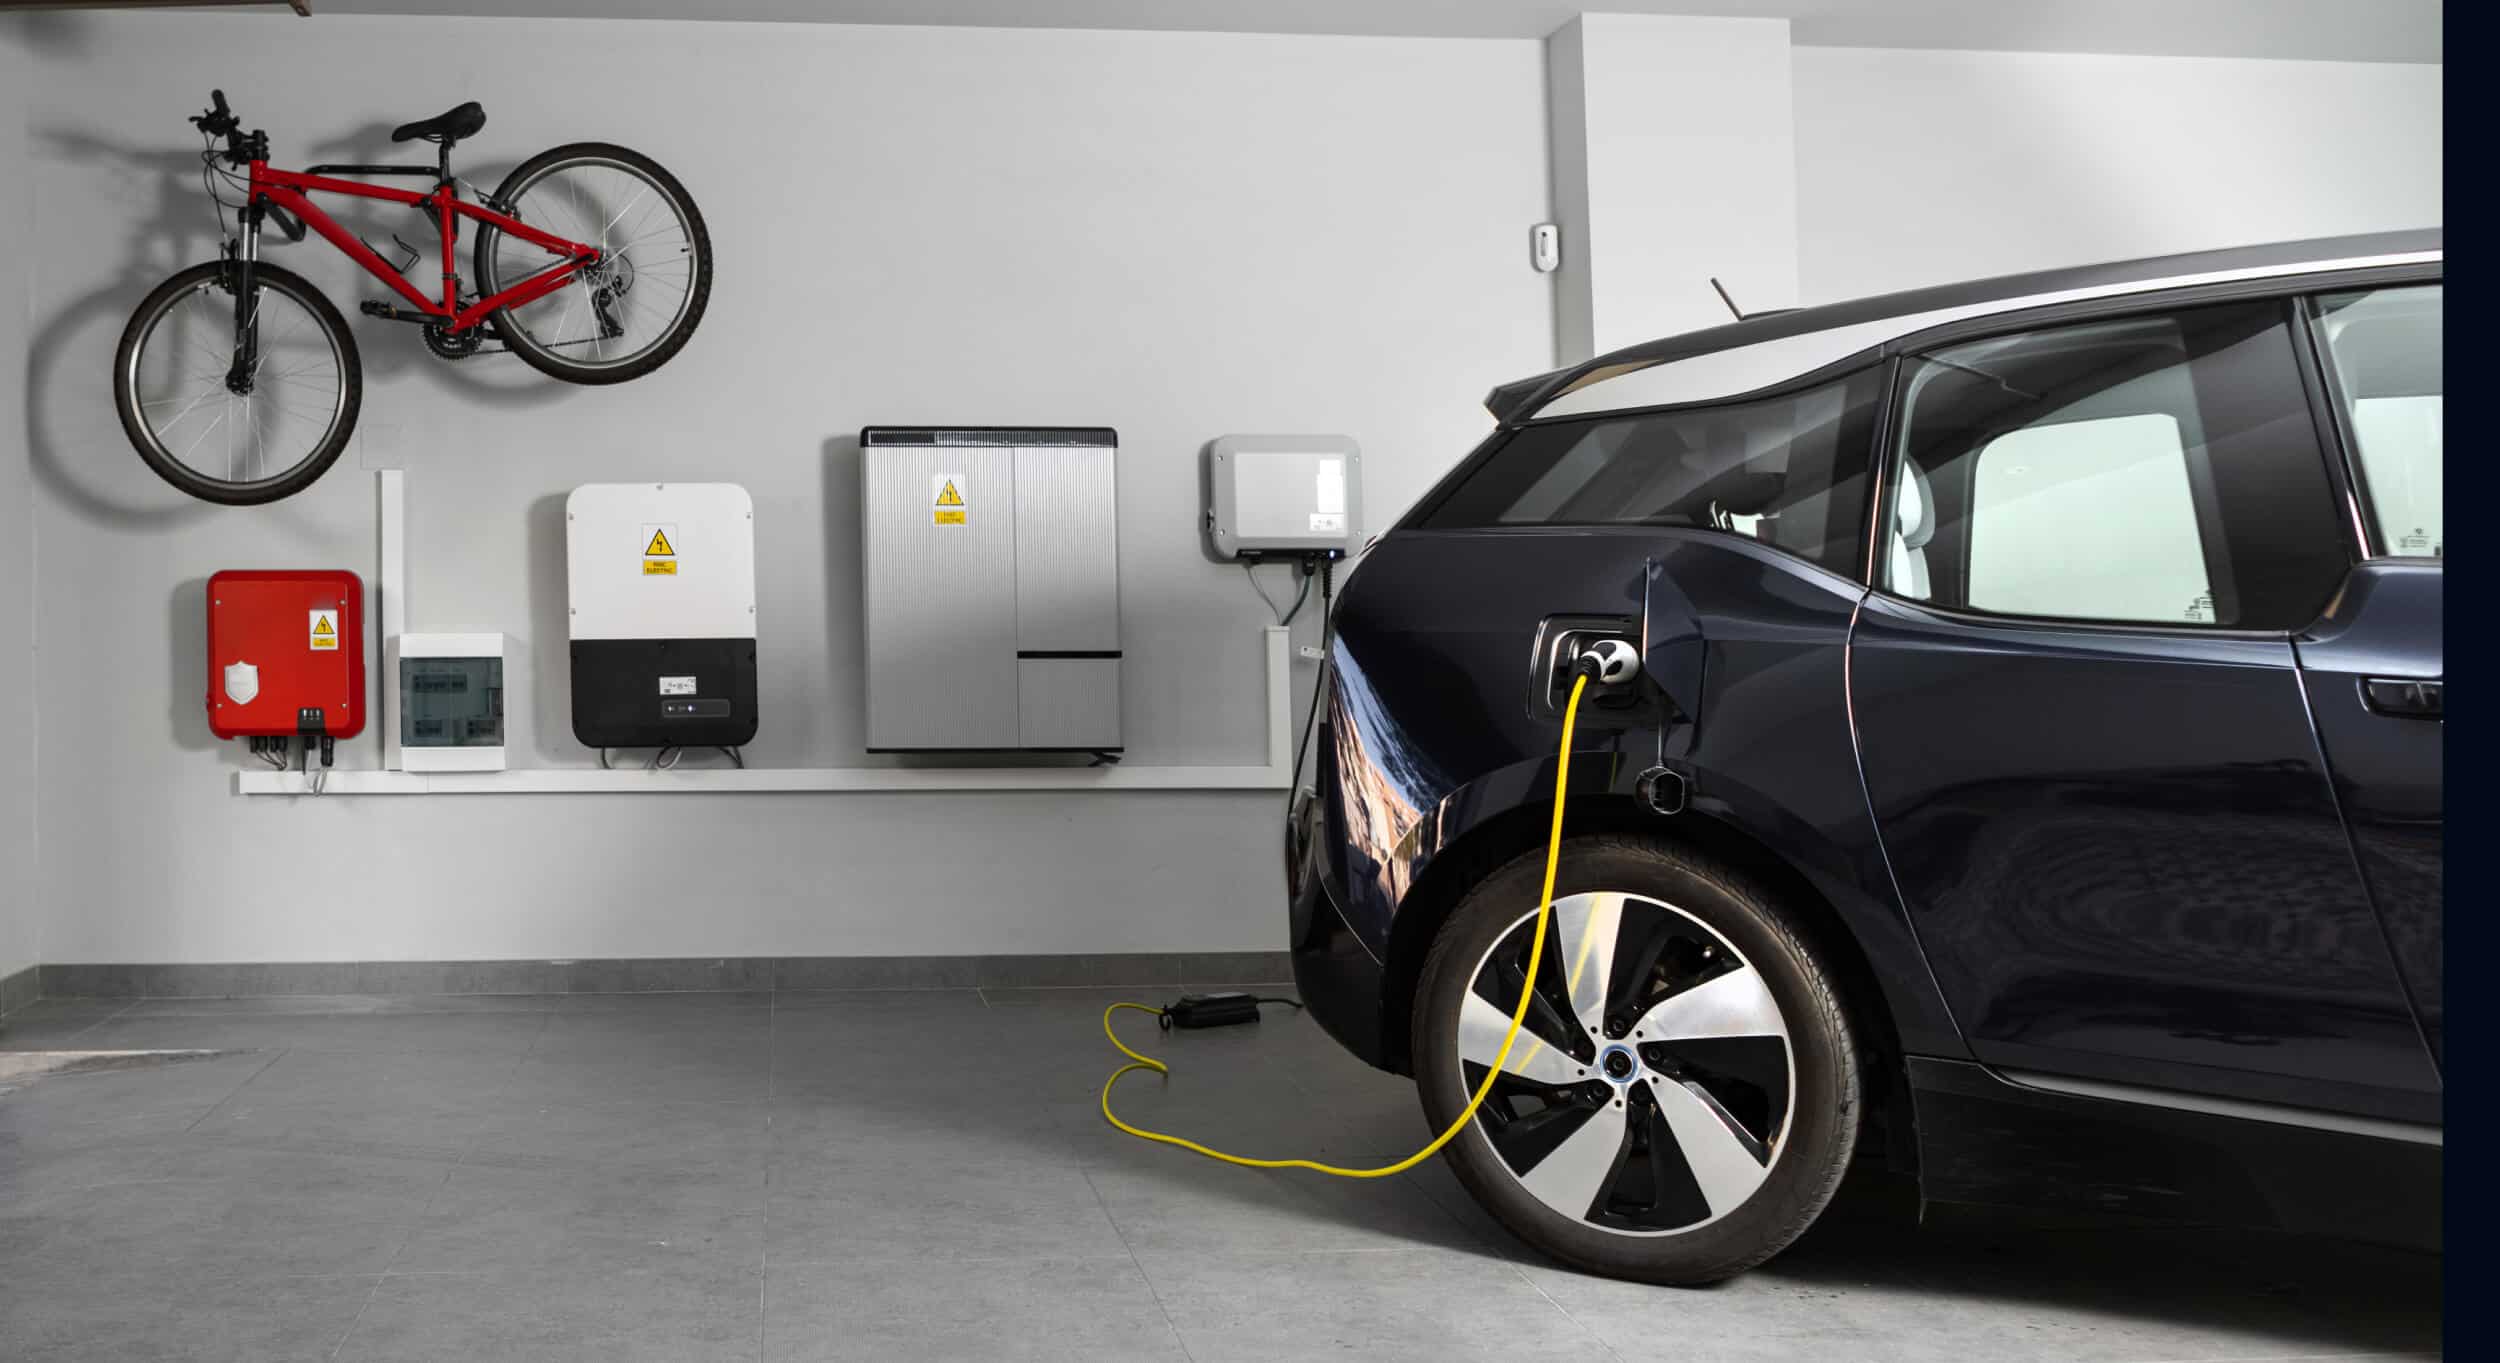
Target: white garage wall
point(1917, 167)
point(1176, 235)
point(19, 929)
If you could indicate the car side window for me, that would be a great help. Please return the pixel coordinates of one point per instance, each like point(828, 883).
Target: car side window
point(2158, 470)
point(2384, 348)
point(1789, 471)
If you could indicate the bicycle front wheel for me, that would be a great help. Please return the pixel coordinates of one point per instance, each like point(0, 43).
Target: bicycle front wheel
point(238, 434)
point(629, 314)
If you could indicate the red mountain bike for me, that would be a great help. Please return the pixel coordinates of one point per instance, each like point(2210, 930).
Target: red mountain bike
point(238, 381)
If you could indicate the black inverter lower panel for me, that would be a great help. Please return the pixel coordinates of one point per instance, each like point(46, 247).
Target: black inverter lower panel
point(657, 693)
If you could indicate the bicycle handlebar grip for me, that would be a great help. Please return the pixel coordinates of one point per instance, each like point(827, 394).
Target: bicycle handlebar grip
point(218, 98)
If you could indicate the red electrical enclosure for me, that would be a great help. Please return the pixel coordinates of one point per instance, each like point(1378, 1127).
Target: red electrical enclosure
point(286, 654)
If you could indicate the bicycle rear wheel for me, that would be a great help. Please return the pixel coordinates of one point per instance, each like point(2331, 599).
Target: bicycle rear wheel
point(628, 315)
point(237, 440)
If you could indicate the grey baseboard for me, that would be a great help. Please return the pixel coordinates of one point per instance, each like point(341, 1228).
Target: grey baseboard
point(20, 988)
point(650, 975)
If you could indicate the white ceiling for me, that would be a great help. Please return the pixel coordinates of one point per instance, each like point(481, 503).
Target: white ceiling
point(2342, 30)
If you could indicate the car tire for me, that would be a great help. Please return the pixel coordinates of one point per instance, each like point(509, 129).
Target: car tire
point(1703, 1076)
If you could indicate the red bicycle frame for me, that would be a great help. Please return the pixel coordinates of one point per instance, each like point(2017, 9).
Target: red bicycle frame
point(287, 189)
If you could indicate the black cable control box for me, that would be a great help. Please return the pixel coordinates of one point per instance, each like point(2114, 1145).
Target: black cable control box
point(1212, 1010)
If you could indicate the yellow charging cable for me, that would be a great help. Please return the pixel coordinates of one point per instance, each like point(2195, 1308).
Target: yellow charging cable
point(1518, 1016)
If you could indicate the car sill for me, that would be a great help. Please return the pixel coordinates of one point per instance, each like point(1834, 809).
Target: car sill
point(2377, 1128)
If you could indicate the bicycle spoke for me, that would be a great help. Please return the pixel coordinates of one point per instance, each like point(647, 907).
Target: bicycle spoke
point(642, 290)
point(178, 394)
point(628, 208)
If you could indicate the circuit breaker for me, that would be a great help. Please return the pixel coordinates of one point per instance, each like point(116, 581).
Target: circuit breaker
point(451, 702)
point(660, 587)
point(286, 654)
point(992, 581)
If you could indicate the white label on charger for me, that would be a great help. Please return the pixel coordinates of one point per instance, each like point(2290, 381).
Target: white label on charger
point(1331, 492)
point(676, 686)
point(1327, 524)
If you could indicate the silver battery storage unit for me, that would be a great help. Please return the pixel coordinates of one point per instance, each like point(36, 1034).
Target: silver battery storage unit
point(991, 558)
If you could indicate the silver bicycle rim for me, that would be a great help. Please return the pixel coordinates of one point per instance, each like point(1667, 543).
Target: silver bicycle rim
point(1579, 1151)
point(176, 378)
point(646, 233)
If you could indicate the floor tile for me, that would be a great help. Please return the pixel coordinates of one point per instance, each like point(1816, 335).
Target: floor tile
point(214, 1321)
point(521, 1131)
point(1183, 1207)
point(101, 1105)
point(495, 1220)
point(1022, 1309)
point(417, 1104)
point(621, 1080)
point(685, 1312)
point(216, 1213)
point(1385, 1305)
point(877, 1208)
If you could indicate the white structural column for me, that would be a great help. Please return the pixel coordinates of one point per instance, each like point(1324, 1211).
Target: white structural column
point(1674, 160)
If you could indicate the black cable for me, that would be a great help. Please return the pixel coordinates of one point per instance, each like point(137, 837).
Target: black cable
point(1299, 597)
point(735, 756)
point(1327, 631)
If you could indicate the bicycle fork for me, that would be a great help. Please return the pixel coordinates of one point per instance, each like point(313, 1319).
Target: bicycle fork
point(243, 263)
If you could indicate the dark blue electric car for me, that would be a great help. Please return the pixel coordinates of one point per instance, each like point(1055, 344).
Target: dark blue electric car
point(2032, 780)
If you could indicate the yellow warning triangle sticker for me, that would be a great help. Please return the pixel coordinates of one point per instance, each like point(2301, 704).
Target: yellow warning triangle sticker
point(947, 496)
point(659, 546)
point(322, 626)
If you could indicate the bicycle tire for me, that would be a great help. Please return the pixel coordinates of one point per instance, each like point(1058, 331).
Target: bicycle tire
point(255, 492)
point(660, 352)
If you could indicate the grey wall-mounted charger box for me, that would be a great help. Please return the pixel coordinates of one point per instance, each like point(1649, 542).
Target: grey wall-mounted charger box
point(1283, 495)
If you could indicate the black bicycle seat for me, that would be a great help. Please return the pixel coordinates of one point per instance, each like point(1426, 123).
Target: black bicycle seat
point(458, 123)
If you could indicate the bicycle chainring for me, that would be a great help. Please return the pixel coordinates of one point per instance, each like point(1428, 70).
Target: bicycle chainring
point(454, 345)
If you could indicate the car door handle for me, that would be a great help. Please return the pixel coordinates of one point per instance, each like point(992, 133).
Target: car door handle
point(2407, 697)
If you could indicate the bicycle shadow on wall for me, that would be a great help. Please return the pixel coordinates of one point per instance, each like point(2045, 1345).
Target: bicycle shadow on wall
point(110, 485)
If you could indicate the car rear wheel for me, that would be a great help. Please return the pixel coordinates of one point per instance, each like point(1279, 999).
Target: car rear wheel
point(1683, 1097)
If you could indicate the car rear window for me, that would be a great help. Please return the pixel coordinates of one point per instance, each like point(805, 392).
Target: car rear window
point(1789, 471)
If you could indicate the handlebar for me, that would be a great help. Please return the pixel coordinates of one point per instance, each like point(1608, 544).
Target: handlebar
point(219, 121)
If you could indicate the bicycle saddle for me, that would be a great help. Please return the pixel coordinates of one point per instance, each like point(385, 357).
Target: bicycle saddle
point(458, 123)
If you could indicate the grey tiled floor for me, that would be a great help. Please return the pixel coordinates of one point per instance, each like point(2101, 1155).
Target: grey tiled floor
point(883, 1175)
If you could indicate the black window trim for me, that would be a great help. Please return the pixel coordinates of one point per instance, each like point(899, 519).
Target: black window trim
point(2292, 296)
point(1871, 361)
point(2293, 288)
point(2333, 412)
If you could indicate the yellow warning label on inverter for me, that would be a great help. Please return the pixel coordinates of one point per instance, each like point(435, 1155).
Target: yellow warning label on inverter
point(946, 498)
point(325, 631)
point(659, 557)
point(950, 518)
